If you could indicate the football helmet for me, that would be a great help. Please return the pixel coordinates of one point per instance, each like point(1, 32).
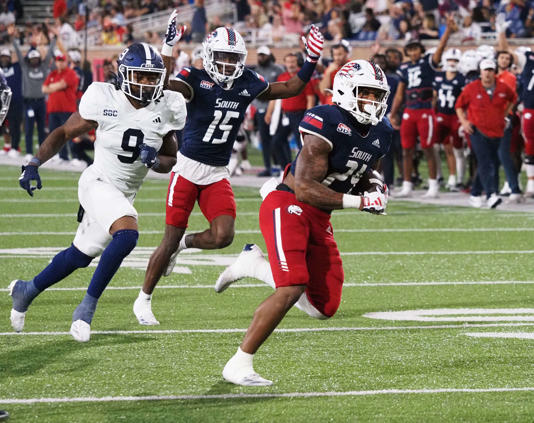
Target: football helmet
point(5, 97)
point(469, 61)
point(451, 59)
point(141, 73)
point(486, 51)
point(224, 54)
point(349, 84)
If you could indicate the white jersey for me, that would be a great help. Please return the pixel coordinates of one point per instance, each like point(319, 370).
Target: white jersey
point(122, 128)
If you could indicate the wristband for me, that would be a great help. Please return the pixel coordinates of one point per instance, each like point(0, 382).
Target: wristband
point(35, 161)
point(351, 201)
point(306, 71)
point(166, 50)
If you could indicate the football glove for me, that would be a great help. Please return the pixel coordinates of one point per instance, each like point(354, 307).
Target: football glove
point(173, 34)
point(314, 44)
point(149, 156)
point(29, 174)
point(374, 202)
point(501, 24)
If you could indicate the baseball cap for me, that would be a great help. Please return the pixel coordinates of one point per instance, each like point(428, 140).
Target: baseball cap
point(75, 56)
point(32, 54)
point(264, 50)
point(487, 64)
point(5, 52)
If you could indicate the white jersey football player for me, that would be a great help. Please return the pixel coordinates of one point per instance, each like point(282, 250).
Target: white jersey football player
point(135, 122)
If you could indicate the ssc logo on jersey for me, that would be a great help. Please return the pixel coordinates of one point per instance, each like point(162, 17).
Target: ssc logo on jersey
point(206, 84)
point(293, 209)
point(344, 129)
point(110, 112)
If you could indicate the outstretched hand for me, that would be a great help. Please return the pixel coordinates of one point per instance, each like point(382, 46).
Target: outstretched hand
point(173, 34)
point(313, 44)
point(29, 174)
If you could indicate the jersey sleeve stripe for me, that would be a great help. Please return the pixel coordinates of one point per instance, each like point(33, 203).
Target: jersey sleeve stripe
point(307, 131)
point(266, 88)
point(188, 86)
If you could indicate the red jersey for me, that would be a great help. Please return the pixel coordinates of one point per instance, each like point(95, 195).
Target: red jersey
point(297, 103)
point(62, 100)
point(486, 113)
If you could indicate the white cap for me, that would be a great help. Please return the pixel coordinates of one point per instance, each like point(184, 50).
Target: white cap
point(487, 64)
point(264, 50)
point(32, 54)
point(75, 56)
point(5, 52)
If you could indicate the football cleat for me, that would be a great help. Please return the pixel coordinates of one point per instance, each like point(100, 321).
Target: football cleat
point(20, 296)
point(245, 376)
point(239, 269)
point(475, 201)
point(142, 309)
point(80, 331)
point(494, 201)
point(17, 320)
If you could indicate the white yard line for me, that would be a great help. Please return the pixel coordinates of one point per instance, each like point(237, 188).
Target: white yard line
point(288, 330)
point(266, 395)
point(262, 285)
point(137, 200)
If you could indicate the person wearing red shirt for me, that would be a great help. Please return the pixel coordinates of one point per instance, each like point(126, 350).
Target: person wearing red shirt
point(340, 56)
point(61, 86)
point(293, 109)
point(488, 101)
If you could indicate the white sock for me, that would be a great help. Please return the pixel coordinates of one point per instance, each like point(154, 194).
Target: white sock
point(304, 305)
point(460, 163)
point(437, 157)
point(242, 360)
point(144, 296)
point(181, 245)
point(452, 180)
point(433, 185)
point(407, 186)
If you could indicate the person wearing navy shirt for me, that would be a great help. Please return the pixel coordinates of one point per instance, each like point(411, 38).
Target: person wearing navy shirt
point(447, 87)
point(527, 118)
point(217, 98)
point(418, 119)
point(342, 143)
point(13, 75)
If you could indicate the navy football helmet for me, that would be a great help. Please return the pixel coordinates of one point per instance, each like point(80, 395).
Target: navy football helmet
point(141, 73)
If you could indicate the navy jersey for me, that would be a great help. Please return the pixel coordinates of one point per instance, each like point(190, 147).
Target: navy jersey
point(393, 82)
point(352, 154)
point(214, 115)
point(527, 82)
point(418, 78)
point(448, 90)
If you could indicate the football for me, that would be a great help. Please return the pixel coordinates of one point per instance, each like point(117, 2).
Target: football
point(371, 180)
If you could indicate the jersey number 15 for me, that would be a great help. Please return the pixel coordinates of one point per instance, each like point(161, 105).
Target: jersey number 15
point(224, 126)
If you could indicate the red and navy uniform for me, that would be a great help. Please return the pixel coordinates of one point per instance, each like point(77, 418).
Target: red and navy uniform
point(418, 117)
point(527, 98)
point(214, 115)
point(299, 237)
point(447, 122)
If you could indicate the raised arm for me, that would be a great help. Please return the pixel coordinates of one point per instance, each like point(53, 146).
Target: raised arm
point(451, 25)
point(397, 103)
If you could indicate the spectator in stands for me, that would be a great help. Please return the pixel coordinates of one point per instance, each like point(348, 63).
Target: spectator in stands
point(292, 113)
point(61, 86)
point(68, 36)
point(370, 28)
point(199, 23)
point(292, 17)
point(270, 71)
point(429, 29)
point(340, 56)
point(147, 7)
point(516, 12)
point(59, 9)
point(12, 72)
point(34, 71)
point(488, 101)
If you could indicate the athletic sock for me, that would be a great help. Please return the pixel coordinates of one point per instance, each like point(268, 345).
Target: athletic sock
point(61, 266)
point(123, 242)
point(86, 309)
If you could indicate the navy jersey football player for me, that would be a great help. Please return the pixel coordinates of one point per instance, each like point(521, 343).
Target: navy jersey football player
point(417, 76)
point(217, 97)
point(447, 88)
point(527, 118)
point(341, 145)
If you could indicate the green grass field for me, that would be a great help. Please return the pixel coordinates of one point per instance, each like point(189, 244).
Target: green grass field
point(350, 368)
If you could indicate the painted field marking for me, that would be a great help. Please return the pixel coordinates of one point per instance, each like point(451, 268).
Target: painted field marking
point(284, 330)
point(262, 285)
point(137, 200)
point(30, 401)
point(457, 315)
point(509, 335)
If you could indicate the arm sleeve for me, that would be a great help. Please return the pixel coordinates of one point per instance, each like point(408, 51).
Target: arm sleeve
point(463, 99)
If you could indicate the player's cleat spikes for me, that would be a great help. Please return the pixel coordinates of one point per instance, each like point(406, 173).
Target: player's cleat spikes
point(142, 309)
point(242, 267)
point(80, 331)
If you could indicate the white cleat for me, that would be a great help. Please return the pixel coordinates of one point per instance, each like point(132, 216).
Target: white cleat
point(240, 268)
point(17, 317)
point(244, 377)
point(172, 260)
point(143, 311)
point(80, 331)
point(17, 320)
point(430, 194)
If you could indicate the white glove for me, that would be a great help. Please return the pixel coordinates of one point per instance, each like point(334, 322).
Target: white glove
point(374, 202)
point(314, 44)
point(173, 34)
point(501, 24)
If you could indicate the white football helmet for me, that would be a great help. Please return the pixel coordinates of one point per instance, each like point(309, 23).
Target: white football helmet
point(469, 61)
point(224, 55)
point(486, 52)
point(451, 59)
point(349, 83)
point(521, 58)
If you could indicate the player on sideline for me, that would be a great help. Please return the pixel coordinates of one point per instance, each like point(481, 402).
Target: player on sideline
point(217, 97)
point(135, 123)
point(341, 144)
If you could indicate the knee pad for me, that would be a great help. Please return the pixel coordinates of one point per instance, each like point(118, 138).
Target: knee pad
point(124, 241)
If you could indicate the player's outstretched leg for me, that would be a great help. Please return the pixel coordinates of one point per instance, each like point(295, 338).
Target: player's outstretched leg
point(22, 294)
point(250, 263)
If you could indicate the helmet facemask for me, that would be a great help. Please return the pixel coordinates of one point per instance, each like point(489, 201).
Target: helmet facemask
point(142, 84)
point(5, 100)
point(224, 67)
point(366, 110)
point(451, 65)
